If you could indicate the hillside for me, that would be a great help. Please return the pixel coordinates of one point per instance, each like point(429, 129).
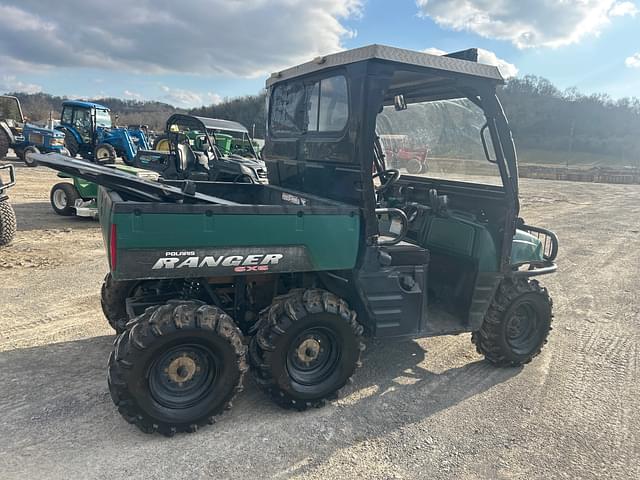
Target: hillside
point(550, 126)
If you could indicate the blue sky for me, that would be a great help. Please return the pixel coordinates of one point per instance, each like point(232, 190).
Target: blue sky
point(201, 51)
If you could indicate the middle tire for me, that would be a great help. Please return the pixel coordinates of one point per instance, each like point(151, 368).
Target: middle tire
point(176, 367)
point(307, 347)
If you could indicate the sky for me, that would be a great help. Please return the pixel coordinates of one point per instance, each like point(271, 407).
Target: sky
point(198, 52)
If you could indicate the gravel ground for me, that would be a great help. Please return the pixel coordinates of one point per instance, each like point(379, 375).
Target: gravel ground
point(430, 408)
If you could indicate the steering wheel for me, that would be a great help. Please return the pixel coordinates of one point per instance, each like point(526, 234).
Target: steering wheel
point(391, 176)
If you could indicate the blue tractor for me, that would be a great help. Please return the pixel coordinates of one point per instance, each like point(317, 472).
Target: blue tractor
point(23, 137)
point(90, 133)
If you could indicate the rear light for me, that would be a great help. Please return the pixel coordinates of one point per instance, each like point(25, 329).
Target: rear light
point(113, 247)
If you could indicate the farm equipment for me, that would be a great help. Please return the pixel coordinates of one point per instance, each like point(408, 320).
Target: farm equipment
point(79, 197)
point(400, 153)
point(303, 268)
point(190, 150)
point(90, 133)
point(25, 138)
point(7, 215)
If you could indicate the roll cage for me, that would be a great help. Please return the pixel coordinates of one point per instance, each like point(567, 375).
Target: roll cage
point(338, 164)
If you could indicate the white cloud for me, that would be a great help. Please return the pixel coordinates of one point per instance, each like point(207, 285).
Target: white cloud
point(9, 83)
point(181, 97)
point(633, 61)
point(527, 23)
point(622, 9)
point(133, 95)
point(507, 70)
point(242, 38)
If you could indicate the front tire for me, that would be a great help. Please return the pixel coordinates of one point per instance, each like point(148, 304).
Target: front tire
point(8, 225)
point(176, 367)
point(25, 156)
point(307, 347)
point(104, 154)
point(63, 199)
point(517, 323)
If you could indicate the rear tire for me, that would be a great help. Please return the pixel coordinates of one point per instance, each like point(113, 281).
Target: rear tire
point(63, 199)
point(114, 295)
point(176, 367)
point(161, 143)
point(414, 166)
point(70, 143)
point(517, 323)
point(113, 300)
point(5, 142)
point(104, 154)
point(307, 347)
point(8, 224)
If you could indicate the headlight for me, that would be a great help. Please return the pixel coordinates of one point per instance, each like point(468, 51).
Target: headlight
point(246, 170)
point(57, 142)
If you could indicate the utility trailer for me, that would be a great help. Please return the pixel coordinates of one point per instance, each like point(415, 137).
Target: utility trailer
point(206, 278)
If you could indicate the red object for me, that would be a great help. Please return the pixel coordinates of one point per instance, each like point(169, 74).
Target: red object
point(113, 247)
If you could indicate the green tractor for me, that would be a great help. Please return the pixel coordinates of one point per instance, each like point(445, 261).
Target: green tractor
point(78, 197)
point(208, 278)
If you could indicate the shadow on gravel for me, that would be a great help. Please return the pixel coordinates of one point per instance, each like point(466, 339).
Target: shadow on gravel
point(40, 216)
point(62, 387)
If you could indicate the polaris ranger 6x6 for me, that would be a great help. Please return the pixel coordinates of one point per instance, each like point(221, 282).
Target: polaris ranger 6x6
point(289, 277)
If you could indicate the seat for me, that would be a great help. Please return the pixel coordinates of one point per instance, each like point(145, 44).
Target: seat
point(186, 157)
point(404, 254)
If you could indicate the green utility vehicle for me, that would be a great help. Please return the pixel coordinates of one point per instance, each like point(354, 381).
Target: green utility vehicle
point(289, 277)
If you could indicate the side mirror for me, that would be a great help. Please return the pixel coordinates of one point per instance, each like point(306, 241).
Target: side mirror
point(399, 103)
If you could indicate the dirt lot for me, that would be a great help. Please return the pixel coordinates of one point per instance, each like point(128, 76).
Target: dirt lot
point(425, 409)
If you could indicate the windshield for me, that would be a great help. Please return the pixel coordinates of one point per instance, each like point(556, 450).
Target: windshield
point(440, 139)
point(103, 119)
point(233, 142)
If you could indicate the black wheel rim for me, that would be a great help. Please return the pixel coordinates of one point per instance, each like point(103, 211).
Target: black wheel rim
point(523, 328)
point(313, 356)
point(183, 376)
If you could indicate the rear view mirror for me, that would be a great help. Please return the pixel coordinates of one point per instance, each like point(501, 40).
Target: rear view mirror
point(486, 141)
point(399, 103)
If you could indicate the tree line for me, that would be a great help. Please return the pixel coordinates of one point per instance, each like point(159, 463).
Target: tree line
point(543, 118)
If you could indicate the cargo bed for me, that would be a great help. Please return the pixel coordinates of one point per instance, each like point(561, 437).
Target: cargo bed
point(262, 229)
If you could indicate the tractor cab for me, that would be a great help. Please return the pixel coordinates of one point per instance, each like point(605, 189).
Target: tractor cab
point(434, 249)
point(90, 133)
point(25, 138)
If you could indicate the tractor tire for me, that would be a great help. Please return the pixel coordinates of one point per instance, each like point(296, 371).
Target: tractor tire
point(307, 347)
point(63, 199)
point(414, 166)
point(8, 224)
point(104, 154)
point(5, 143)
point(517, 323)
point(161, 143)
point(176, 367)
point(70, 143)
point(24, 156)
